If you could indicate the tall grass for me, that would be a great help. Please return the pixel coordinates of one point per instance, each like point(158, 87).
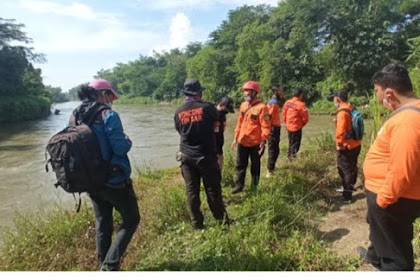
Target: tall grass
point(275, 226)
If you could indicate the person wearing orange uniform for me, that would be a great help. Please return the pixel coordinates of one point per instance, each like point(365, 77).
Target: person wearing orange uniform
point(295, 115)
point(273, 106)
point(392, 173)
point(251, 134)
point(348, 149)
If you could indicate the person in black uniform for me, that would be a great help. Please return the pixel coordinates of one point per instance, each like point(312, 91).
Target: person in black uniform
point(196, 122)
point(224, 107)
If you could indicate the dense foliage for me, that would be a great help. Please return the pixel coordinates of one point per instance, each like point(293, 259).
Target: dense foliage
point(23, 94)
point(319, 45)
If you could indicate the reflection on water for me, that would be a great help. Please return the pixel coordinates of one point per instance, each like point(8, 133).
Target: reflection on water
point(24, 184)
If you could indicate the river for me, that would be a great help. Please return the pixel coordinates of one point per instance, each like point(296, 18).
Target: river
point(25, 186)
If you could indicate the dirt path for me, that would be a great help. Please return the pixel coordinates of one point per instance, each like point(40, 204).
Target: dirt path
point(345, 227)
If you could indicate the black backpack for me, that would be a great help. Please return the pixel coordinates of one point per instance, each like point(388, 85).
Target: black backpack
point(76, 158)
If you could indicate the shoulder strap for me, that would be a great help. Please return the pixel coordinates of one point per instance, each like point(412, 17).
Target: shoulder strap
point(399, 110)
point(93, 117)
point(246, 111)
point(344, 109)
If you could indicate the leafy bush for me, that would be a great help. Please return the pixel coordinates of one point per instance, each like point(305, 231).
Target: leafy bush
point(22, 108)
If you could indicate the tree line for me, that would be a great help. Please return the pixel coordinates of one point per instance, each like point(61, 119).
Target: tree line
point(318, 45)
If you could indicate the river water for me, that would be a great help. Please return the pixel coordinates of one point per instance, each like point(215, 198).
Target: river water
point(24, 184)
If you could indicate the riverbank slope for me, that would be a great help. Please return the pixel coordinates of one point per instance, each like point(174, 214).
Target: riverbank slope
point(279, 227)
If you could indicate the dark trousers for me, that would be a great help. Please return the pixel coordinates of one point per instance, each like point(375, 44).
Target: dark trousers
point(206, 167)
point(391, 233)
point(242, 164)
point(125, 202)
point(273, 147)
point(295, 137)
point(347, 168)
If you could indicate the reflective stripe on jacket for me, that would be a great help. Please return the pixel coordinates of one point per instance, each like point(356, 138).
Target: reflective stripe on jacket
point(253, 125)
point(295, 114)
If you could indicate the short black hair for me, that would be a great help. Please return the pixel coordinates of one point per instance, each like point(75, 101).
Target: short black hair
point(342, 94)
point(86, 92)
point(395, 76)
point(297, 92)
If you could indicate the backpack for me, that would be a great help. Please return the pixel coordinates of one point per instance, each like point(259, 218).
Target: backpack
point(76, 158)
point(357, 124)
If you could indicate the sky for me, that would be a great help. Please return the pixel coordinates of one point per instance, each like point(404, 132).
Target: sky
point(81, 37)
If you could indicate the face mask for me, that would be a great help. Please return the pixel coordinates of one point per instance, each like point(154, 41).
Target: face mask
point(248, 98)
point(109, 104)
point(336, 104)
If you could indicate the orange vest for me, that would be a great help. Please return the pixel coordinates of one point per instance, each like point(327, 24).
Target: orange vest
point(343, 126)
point(253, 125)
point(295, 114)
point(274, 111)
point(392, 164)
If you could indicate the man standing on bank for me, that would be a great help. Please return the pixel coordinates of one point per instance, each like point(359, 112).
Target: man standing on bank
point(196, 122)
point(348, 148)
point(392, 173)
point(295, 115)
point(224, 107)
point(273, 106)
point(251, 134)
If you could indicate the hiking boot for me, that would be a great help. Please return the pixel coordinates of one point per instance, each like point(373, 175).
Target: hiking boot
point(363, 254)
point(255, 182)
point(199, 227)
point(269, 174)
point(106, 267)
point(342, 189)
point(237, 189)
point(345, 201)
point(227, 222)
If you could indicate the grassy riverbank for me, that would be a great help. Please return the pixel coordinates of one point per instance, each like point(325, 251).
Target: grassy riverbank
point(275, 229)
point(141, 100)
point(23, 108)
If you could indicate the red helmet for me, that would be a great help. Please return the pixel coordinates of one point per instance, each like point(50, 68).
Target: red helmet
point(251, 85)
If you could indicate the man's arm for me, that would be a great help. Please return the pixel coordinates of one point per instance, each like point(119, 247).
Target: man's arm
point(340, 131)
point(120, 143)
point(304, 114)
point(403, 164)
point(284, 112)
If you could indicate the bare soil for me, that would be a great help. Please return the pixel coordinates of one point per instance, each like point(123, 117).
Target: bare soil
point(345, 226)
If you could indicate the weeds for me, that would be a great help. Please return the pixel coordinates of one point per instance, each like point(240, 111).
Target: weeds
point(273, 230)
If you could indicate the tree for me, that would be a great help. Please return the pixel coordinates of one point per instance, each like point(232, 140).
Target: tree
point(17, 74)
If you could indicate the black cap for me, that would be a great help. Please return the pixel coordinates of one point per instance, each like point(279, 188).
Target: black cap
point(192, 87)
point(228, 103)
point(342, 94)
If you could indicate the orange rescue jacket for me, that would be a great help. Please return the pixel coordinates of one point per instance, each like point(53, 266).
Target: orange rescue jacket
point(274, 111)
point(253, 125)
point(392, 164)
point(295, 114)
point(343, 126)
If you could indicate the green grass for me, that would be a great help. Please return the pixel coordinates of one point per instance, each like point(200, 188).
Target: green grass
point(275, 226)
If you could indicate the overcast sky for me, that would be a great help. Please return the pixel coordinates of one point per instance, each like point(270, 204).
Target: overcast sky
point(81, 37)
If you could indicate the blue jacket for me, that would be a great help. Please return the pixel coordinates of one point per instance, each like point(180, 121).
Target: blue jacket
point(114, 144)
